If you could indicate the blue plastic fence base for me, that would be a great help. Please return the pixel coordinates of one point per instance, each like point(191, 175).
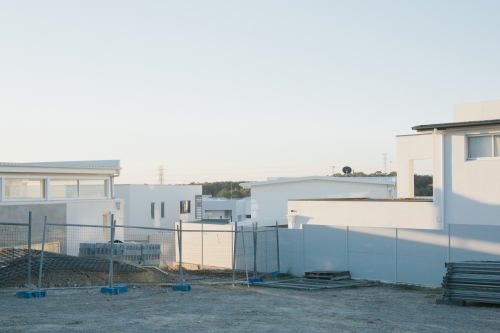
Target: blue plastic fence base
point(181, 287)
point(32, 294)
point(115, 290)
point(255, 280)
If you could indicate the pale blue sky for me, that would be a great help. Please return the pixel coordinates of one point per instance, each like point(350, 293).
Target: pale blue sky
point(236, 90)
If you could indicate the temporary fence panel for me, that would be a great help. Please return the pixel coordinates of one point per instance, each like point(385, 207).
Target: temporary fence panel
point(192, 246)
point(155, 246)
point(14, 255)
point(257, 250)
point(81, 250)
point(217, 246)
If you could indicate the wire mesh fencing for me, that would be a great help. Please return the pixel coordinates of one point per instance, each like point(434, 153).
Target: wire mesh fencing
point(73, 255)
point(15, 258)
point(218, 251)
point(257, 250)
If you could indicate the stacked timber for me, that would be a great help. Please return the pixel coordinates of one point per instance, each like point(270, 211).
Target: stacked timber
point(476, 281)
point(328, 275)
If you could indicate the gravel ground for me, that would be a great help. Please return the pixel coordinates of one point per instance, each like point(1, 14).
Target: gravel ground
point(221, 308)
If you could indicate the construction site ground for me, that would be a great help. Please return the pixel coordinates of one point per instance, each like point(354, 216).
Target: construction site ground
point(221, 308)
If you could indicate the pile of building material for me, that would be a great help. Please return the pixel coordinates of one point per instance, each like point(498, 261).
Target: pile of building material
point(476, 281)
point(316, 280)
point(328, 275)
point(142, 254)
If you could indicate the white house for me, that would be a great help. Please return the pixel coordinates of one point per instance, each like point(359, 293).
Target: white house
point(269, 198)
point(466, 181)
point(234, 210)
point(80, 192)
point(160, 206)
point(409, 239)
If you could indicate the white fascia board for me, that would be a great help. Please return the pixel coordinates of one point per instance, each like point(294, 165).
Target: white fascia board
point(365, 180)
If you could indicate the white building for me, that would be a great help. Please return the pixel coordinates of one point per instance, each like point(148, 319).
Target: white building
point(160, 206)
point(466, 181)
point(234, 210)
point(269, 198)
point(409, 239)
point(79, 192)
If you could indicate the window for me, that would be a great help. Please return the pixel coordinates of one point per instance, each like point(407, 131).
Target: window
point(92, 188)
point(483, 146)
point(152, 210)
point(17, 188)
point(63, 188)
point(162, 209)
point(185, 207)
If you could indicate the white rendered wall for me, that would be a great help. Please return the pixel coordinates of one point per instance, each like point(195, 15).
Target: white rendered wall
point(140, 197)
point(477, 111)
point(472, 194)
point(387, 214)
point(90, 212)
point(269, 202)
point(386, 254)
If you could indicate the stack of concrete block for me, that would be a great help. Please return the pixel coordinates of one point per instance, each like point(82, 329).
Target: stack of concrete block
point(87, 250)
point(151, 254)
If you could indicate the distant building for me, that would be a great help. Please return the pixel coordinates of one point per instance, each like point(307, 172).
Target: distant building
point(235, 210)
point(160, 206)
point(80, 192)
point(466, 181)
point(270, 197)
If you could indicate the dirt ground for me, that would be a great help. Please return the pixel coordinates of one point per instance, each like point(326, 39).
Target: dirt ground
point(221, 308)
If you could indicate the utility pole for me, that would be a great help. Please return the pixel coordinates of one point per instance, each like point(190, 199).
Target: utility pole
point(333, 170)
point(161, 170)
point(385, 163)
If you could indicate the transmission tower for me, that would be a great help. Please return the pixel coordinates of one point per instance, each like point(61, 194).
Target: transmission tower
point(385, 163)
point(161, 170)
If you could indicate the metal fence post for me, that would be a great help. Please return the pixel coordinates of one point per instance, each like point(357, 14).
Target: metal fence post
point(29, 252)
point(40, 272)
point(245, 255)
point(278, 245)
point(181, 280)
point(396, 257)
point(254, 249)
point(110, 277)
point(202, 245)
point(234, 250)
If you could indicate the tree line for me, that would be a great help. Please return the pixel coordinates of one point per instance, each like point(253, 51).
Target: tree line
point(423, 183)
point(233, 190)
point(229, 190)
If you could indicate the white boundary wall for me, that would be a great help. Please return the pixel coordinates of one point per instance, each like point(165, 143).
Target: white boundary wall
point(413, 256)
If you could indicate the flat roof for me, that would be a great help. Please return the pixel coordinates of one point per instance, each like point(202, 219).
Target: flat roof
point(368, 180)
point(457, 125)
point(107, 167)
